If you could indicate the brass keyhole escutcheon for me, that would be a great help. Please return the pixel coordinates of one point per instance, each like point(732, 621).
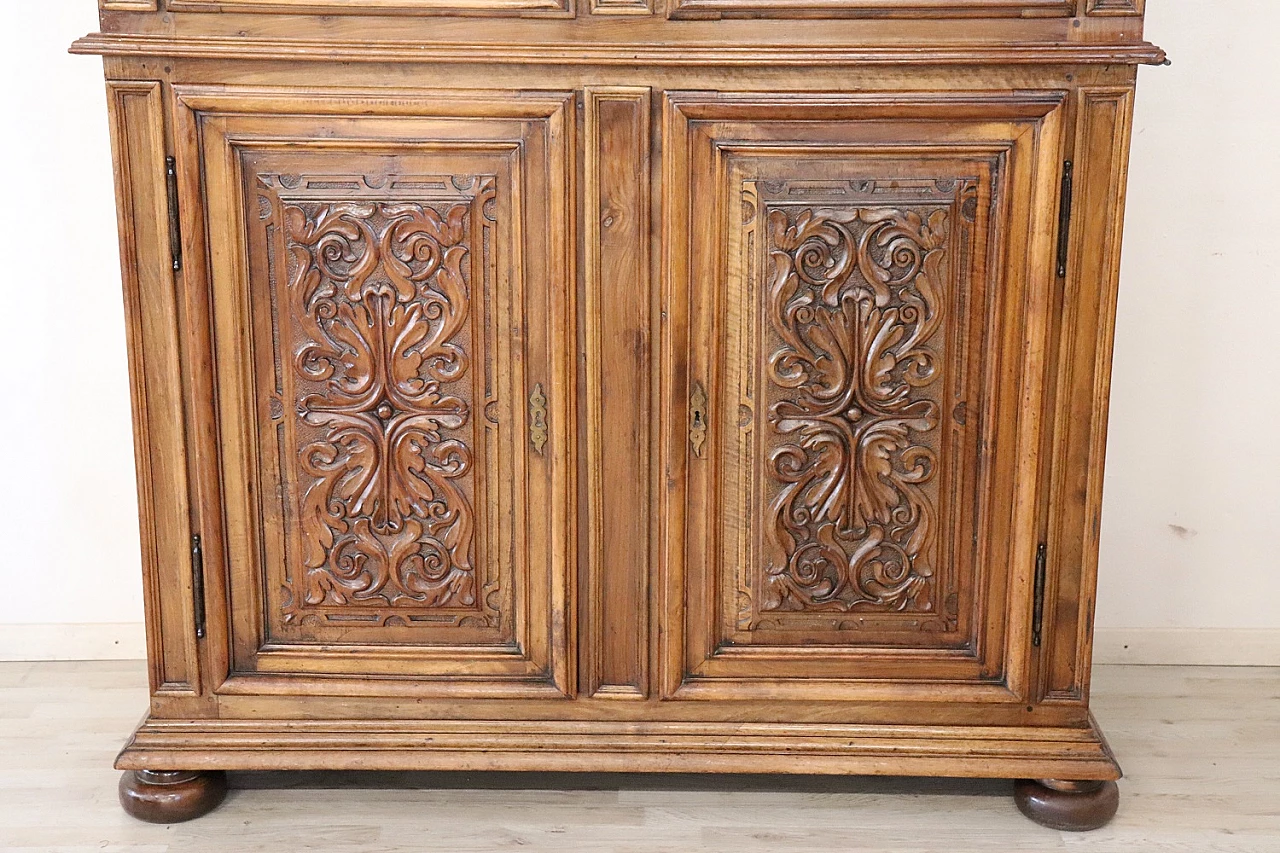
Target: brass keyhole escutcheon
point(697, 418)
point(538, 418)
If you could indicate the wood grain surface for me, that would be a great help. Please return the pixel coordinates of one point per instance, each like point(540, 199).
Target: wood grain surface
point(621, 391)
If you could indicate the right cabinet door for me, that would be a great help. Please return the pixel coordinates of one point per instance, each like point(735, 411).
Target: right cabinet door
point(857, 292)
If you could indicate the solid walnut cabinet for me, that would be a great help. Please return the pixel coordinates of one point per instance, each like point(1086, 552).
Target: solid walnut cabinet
point(611, 386)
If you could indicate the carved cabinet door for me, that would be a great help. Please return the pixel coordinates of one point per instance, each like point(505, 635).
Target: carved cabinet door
point(857, 291)
point(383, 280)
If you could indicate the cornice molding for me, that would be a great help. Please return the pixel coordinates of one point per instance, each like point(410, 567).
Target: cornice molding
point(616, 53)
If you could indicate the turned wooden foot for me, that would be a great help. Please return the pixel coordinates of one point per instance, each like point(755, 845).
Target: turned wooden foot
point(1069, 806)
point(171, 796)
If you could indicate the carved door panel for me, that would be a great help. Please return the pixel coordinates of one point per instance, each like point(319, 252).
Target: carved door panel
point(386, 280)
point(859, 288)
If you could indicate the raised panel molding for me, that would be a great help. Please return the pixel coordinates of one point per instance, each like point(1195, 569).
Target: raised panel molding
point(157, 382)
point(1104, 124)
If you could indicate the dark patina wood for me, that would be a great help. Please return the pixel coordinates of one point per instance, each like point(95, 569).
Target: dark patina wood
point(171, 796)
point(1069, 806)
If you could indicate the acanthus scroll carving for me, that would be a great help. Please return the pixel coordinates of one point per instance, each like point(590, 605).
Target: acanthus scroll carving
point(379, 307)
point(854, 304)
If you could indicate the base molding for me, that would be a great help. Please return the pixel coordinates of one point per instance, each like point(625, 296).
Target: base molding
point(873, 750)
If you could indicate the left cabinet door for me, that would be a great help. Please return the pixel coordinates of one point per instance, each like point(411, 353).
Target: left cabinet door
point(387, 309)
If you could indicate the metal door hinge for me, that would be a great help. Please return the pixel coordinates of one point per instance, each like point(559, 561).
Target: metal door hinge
point(1037, 614)
point(175, 226)
point(697, 418)
point(1064, 217)
point(538, 418)
point(197, 584)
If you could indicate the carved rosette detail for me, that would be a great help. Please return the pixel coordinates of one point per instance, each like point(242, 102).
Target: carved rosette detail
point(380, 299)
point(854, 304)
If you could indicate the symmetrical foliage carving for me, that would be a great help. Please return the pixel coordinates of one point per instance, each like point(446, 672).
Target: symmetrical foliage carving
point(854, 304)
point(375, 339)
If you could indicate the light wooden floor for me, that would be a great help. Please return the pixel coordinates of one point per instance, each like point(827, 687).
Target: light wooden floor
point(1201, 747)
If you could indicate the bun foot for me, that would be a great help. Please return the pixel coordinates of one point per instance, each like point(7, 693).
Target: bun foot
point(1068, 806)
point(171, 796)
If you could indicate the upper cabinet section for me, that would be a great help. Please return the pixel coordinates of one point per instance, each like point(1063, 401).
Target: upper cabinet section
point(554, 8)
point(673, 8)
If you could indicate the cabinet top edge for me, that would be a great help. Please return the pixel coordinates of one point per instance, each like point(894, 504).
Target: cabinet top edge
point(688, 53)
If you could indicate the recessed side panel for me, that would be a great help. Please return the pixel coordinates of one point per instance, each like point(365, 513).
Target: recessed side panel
point(1104, 118)
point(372, 279)
point(616, 404)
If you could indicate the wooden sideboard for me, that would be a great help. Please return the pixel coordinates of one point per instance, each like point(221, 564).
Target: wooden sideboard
point(603, 385)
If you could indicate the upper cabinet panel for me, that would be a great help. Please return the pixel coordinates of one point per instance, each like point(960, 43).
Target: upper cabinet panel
point(870, 8)
point(551, 8)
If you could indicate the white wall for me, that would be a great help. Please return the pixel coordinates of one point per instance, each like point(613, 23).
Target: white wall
point(1192, 506)
point(1193, 484)
point(67, 493)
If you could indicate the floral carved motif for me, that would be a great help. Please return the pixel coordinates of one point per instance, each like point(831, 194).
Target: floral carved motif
point(378, 305)
point(854, 308)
